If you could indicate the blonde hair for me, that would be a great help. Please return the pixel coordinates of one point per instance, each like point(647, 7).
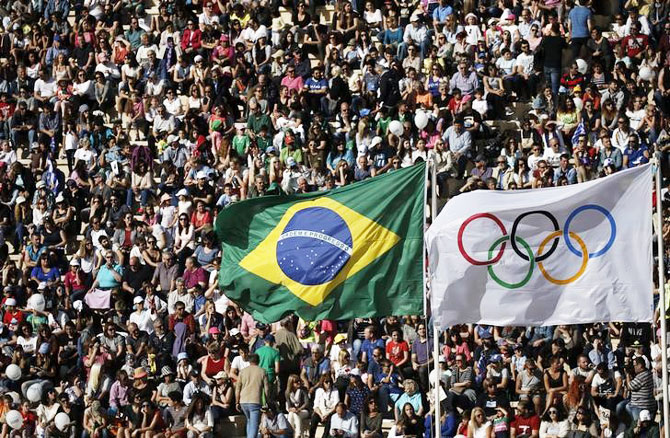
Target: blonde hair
point(473, 418)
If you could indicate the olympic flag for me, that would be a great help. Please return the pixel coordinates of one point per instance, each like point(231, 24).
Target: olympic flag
point(560, 255)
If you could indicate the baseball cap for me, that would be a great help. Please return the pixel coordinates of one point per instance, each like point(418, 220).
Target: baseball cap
point(340, 337)
point(214, 331)
point(234, 332)
point(10, 302)
point(74, 262)
point(138, 300)
point(201, 175)
point(221, 375)
point(290, 161)
point(182, 356)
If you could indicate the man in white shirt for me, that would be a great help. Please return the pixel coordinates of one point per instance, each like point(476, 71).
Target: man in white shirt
point(142, 317)
point(253, 31)
point(274, 424)
point(180, 294)
point(143, 50)
point(45, 87)
point(415, 33)
point(240, 361)
point(524, 69)
point(343, 424)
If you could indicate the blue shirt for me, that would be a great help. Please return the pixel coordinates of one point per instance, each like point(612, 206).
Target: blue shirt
point(41, 276)
point(367, 347)
point(636, 156)
point(441, 13)
point(579, 17)
point(105, 278)
point(314, 86)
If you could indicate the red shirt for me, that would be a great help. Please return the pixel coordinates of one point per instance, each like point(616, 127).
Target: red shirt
point(192, 39)
point(188, 320)
point(395, 351)
point(191, 278)
point(525, 426)
point(17, 314)
point(633, 45)
point(74, 281)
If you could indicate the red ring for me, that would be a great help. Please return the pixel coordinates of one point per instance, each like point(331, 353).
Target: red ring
point(460, 239)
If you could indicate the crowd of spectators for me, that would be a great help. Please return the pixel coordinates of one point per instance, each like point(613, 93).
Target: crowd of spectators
point(125, 127)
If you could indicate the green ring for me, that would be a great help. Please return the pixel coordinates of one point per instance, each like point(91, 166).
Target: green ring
point(531, 256)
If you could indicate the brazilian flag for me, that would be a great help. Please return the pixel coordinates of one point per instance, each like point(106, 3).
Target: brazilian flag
point(354, 251)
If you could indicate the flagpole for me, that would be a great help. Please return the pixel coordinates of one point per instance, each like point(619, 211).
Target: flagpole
point(661, 292)
point(425, 227)
point(436, 329)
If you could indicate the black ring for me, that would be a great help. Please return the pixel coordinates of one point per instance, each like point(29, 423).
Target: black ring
point(515, 246)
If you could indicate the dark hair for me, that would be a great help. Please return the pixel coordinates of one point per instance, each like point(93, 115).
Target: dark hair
point(253, 358)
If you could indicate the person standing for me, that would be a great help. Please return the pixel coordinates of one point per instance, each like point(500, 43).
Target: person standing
point(580, 22)
point(249, 390)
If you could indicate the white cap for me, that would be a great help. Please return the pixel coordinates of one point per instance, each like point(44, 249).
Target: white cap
point(60, 198)
point(234, 332)
point(172, 138)
point(197, 58)
point(74, 262)
point(290, 161)
point(375, 141)
point(40, 184)
point(20, 199)
point(138, 300)
point(645, 415)
point(10, 302)
point(201, 175)
point(182, 192)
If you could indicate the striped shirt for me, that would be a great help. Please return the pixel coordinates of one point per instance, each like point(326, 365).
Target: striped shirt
point(642, 391)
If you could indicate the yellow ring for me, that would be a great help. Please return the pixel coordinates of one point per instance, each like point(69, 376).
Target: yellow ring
point(585, 258)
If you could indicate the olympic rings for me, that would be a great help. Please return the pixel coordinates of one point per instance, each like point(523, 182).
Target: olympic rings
point(514, 229)
point(460, 239)
point(609, 217)
point(541, 256)
point(530, 269)
point(582, 268)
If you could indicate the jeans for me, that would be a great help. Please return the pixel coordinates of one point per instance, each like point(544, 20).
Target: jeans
point(19, 138)
point(252, 412)
point(553, 76)
point(356, 349)
point(144, 196)
point(632, 411)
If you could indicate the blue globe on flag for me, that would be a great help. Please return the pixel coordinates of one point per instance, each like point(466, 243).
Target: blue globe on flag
point(314, 246)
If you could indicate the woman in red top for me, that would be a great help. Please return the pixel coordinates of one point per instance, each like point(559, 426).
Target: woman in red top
point(201, 217)
point(213, 363)
point(75, 285)
point(397, 351)
point(456, 345)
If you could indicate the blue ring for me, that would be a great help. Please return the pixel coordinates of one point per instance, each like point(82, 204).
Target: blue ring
point(566, 229)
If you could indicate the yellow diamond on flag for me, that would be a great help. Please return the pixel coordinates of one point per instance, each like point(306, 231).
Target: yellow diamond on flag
point(316, 246)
